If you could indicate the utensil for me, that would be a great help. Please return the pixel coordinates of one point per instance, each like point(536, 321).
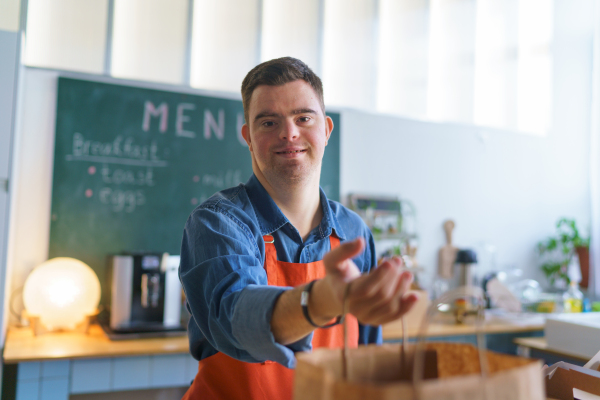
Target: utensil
point(447, 254)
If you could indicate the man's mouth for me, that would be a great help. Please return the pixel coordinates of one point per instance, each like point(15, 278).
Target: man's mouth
point(290, 151)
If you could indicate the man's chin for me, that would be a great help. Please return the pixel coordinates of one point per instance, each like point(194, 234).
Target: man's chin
point(292, 174)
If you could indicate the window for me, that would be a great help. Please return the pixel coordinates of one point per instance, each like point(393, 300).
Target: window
point(149, 40)
point(350, 52)
point(402, 59)
point(9, 15)
point(483, 62)
point(292, 28)
point(225, 43)
point(67, 34)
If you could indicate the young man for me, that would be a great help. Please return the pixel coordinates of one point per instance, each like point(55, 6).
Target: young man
point(266, 265)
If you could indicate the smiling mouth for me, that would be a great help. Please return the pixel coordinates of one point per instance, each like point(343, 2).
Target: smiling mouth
point(290, 152)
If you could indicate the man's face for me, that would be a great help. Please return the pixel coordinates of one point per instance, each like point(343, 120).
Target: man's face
point(286, 132)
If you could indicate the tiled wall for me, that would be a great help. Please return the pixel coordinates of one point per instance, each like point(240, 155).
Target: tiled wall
point(55, 380)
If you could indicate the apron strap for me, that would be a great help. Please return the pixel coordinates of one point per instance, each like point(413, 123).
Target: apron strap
point(334, 241)
point(270, 258)
point(271, 252)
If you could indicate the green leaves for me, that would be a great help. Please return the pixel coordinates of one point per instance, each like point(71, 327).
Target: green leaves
point(554, 270)
point(559, 250)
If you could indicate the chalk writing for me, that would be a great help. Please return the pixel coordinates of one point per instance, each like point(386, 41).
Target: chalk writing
point(122, 150)
point(211, 125)
point(181, 118)
point(161, 111)
point(222, 180)
point(128, 177)
point(122, 200)
point(184, 115)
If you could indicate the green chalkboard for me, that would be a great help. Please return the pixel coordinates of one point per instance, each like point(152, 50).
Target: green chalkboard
point(130, 164)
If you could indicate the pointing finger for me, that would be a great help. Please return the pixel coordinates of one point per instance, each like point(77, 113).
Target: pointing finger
point(335, 260)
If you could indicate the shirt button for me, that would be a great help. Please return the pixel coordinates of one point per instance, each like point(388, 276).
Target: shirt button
point(305, 254)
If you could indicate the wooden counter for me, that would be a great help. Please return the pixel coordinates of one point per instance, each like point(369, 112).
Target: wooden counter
point(540, 344)
point(394, 330)
point(22, 346)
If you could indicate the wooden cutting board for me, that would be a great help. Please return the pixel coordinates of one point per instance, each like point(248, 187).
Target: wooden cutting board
point(447, 254)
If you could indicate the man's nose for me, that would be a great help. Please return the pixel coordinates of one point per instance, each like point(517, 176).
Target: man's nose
point(289, 131)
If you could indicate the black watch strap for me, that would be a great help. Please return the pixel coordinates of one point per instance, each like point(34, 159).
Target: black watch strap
point(304, 297)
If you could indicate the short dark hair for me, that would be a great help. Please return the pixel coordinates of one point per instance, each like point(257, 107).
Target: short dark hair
point(279, 72)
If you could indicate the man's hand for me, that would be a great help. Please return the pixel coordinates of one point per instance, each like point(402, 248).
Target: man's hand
point(374, 298)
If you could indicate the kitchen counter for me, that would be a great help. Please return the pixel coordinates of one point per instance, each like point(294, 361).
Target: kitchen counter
point(393, 330)
point(21, 345)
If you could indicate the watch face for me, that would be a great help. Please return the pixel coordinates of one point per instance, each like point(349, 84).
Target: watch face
point(304, 299)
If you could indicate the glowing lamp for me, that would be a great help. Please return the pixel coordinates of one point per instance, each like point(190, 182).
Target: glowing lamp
point(62, 293)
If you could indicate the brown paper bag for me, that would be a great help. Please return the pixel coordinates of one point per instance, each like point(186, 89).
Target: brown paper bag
point(426, 371)
point(451, 372)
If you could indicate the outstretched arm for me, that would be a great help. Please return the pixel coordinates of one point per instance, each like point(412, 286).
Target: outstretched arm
point(374, 298)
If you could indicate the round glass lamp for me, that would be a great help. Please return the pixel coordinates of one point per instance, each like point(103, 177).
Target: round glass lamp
point(62, 292)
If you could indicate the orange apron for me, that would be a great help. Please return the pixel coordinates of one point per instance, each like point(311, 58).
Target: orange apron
point(221, 377)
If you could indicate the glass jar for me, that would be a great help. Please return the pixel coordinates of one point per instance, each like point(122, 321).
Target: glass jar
point(573, 299)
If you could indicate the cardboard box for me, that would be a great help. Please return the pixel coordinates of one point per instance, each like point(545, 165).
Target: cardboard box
point(566, 381)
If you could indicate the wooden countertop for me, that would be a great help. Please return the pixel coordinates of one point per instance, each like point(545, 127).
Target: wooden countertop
point(539, 343)
point(394, 330)
point(22, 346)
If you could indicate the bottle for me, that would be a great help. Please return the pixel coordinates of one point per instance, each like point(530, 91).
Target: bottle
point(587, 305)
point(466, 260)
point(573, 299)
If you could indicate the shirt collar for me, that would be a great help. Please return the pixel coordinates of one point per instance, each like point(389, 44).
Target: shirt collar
point(329, 220)
point(270, 218)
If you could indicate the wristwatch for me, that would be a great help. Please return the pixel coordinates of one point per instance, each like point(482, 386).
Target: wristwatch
point(304, 303)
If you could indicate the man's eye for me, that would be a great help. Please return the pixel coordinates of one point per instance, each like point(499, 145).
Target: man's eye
point(304, 119)
point(268, 124)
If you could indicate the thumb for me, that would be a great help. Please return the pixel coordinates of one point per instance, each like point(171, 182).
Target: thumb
point(337, 261)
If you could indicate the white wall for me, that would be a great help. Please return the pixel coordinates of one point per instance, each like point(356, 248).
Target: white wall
point(502, 188)
point(9, 45)
point(32, 182)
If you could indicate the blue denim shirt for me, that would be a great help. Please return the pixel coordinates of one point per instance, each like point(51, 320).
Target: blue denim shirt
point(222, 271)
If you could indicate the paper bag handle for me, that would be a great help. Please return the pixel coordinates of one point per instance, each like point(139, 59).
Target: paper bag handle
point(403, 350)
point(449, 297)
point(419, 357)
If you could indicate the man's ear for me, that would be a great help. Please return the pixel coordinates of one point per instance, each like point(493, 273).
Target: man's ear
point(246, 135)
point(328, 128)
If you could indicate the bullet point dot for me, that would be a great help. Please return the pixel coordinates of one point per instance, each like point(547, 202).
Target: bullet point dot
point(92, 170)
point(194, 201)
point(196, 178)
point(89, 193)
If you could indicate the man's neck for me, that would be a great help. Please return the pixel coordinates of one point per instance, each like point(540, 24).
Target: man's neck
point(300, 202)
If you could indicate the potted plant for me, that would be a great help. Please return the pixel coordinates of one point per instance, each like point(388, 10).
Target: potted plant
point(560, 250)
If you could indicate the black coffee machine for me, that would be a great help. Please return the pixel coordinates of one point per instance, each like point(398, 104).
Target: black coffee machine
point(145, 293)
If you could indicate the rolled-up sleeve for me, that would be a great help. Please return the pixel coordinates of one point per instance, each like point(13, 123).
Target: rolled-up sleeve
point(227, 290)
point(253, 330)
